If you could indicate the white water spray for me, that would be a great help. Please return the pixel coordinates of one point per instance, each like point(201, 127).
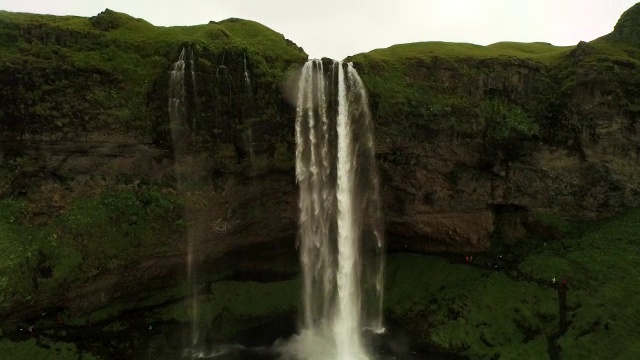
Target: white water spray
point(341, 242)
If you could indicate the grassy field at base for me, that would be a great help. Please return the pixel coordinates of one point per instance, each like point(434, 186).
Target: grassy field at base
point(508, 313)
point(42, 350)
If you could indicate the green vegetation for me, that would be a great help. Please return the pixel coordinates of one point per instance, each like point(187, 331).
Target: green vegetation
point(405, 53)
point(426, 90)
point(95, 234)
point(231, 307)
point(627, 28)
point(465, 310)
point(602, 269)
point(69, 75)
point(435, 90)
point(227, 309)
point(42, 350)
point(509, 312)
point(106, 78)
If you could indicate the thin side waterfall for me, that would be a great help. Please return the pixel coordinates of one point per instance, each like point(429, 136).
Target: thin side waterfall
point(177, 96)
point(341, 236)
point(193, 82)
point(178, 116)
point(246, 73)
point(246, 114)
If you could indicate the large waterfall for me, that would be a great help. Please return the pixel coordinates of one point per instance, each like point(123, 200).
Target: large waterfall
point(340, 224)
point(341, 235)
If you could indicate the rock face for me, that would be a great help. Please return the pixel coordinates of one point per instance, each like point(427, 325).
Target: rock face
point(99, 199)
point(483, 135)
point(628, 27)
point(475, 144)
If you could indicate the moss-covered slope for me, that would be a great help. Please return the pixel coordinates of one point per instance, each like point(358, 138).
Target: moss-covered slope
point(65, 76)
point(628, 27)
point(88, 187)
point(450, 87)
point(467, 133)
point(495, 307)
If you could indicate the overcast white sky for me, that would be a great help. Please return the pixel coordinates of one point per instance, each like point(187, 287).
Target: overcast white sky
point(338, 28)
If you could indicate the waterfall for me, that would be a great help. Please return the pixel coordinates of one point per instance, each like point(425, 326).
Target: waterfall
point(340, 235)
point(247, 82)
point(193, 82)
point(177, 108)
point(246, 114)
point(177, 96)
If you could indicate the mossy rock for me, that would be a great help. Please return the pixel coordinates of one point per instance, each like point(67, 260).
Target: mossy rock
point(69, 75)
point(109, 20)
point(628, 27)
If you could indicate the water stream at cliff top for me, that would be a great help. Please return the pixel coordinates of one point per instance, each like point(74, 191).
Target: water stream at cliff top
point(340, 234)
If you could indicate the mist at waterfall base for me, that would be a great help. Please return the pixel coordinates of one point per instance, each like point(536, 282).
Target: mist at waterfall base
point(340, 238)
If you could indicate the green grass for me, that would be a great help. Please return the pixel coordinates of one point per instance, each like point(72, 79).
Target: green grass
point(95, 234)
point(484, 313)
point(234, 306)
point(150, 40)
point(69, 75)
point(31, 349)
point(426, 90)
point(606, 49)
point(244, 298)
point(19, 245)
point(602, 267)
point(541, 52)
point(421, 90)
point(465, 310)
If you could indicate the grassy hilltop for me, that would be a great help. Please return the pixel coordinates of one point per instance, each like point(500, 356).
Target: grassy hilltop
point(65, 75)
point(104, 80)
point(422, 90)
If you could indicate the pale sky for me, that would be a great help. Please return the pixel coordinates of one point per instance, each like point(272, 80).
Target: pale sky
point(339, 28)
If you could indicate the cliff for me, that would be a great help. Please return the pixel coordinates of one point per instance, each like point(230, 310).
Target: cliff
point(478, 147)
point(95, 188)
point(484, 142)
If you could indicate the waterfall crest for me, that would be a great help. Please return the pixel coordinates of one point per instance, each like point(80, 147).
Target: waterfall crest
point(340, 222)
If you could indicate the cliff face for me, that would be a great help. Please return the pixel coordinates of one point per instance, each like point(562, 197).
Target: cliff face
point(475, 144)
point(480, 143)
point(100, 193)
